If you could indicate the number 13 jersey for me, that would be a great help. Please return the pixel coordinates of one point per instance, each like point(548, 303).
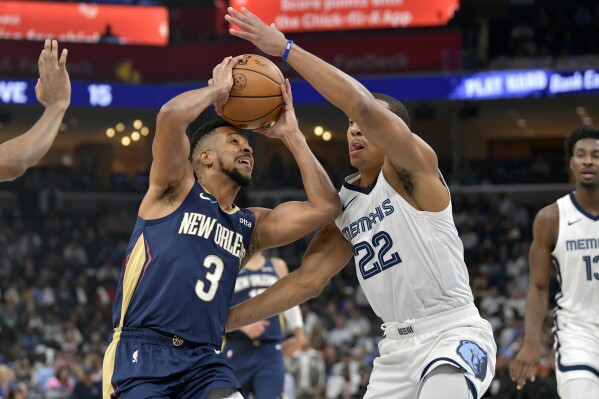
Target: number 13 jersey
point(410, 263)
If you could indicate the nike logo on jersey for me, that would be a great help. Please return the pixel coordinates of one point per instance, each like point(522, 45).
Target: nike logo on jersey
point(344, 207)
point(202, 196)
point(574, 221)
point(217, 351)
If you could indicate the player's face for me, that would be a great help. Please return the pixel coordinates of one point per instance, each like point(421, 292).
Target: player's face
point(585, 162)
point(235, 156)
point(362, 154)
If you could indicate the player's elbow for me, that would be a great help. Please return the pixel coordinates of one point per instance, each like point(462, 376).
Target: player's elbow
point(362, 105)
point(168, 112)
point(14, 170)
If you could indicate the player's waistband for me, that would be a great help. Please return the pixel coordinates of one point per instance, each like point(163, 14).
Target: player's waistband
point(409, 329)
point(155, 337)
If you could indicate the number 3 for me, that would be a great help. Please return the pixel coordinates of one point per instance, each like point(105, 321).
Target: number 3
point(213, 278)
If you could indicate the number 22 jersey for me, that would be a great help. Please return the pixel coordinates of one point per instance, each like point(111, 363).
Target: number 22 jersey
point(409, 263)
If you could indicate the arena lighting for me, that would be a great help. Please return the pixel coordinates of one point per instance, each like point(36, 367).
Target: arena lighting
point(145, 131)
point(521, 122)
point(135, 136)
point(137, 124)
point(326, 136)
point(318, 130)
point(110, 132)
point(126, 141)
point(120, 127)
point(63, 127)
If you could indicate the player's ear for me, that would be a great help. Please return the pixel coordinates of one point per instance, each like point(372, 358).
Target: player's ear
point(206, 157)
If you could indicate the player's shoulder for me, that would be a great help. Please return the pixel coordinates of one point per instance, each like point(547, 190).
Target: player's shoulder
point(548, 214)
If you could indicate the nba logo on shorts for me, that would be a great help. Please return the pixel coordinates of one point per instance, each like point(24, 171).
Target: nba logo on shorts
point(135, 358)
point(475, 356)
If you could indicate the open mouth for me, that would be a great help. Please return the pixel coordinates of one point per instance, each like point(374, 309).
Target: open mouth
point(245, 161)
point(355, 148)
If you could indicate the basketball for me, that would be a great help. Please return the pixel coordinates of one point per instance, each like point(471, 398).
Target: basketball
point(255, 99)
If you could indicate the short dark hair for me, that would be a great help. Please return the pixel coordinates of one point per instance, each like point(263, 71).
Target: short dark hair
point(579, 133)
point(395, 106)
point(204, 131)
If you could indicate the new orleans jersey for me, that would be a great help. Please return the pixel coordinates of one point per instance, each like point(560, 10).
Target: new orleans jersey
point(180, 270)
point(409, 262)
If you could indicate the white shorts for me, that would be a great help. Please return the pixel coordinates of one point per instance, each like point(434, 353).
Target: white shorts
point(409, 351)
point(577, 350)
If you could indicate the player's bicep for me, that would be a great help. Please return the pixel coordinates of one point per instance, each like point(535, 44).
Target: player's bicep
point(543, 243)
point(170, 152)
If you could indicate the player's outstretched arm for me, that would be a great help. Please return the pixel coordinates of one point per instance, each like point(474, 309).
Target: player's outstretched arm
point(326, 255)
point(170, 148)
point(545, 228)
point(295, 219)
point(53, 91)
point(382, 127)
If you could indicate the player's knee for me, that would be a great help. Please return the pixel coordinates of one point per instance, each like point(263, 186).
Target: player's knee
point(224, 393)
point(447, 381)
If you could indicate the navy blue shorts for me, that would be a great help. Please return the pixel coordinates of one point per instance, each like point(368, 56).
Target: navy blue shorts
point(143, 364)
point(258, 366)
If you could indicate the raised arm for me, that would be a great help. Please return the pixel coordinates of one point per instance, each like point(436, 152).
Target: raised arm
point(295, 219)
point(171, 169)
point(326, 255)
point(380, 126)
point(53, 91)
point(545, 230)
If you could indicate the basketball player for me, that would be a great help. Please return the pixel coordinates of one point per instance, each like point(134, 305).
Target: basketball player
point(53, 91)
point(397, 223)
point(566, 233)
point(255, 352)
point(190, 241)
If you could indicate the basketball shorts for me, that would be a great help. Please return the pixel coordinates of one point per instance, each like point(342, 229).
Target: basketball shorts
point(258, 366)
point(409, 351)
point(577, 351)
point(140, 363)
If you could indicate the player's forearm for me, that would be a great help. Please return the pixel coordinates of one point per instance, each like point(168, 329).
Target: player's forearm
point(320, 191)
point(286, 293)
point(537, 303)
point(340, 89)
point(186, 107)
point(22, 152)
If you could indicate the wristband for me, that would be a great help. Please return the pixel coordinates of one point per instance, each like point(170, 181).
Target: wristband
point(287, 49)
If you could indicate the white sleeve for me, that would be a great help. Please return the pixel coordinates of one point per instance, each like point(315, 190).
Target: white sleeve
point(294, 318)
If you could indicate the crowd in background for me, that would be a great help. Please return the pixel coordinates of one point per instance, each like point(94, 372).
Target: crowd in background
point(59, 269)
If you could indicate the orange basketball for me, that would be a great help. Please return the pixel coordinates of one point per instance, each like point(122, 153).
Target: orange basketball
point(255, 99)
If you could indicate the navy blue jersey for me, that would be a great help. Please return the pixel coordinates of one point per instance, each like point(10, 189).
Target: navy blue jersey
point(253, 282)
point(180, 270)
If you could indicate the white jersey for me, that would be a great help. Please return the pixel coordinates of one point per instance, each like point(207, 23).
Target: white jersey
point(576, 256)
point(410, 263)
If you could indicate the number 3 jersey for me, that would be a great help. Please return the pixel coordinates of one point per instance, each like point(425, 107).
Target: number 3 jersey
point(576, 257)
point(180, 270)
point(410, 263)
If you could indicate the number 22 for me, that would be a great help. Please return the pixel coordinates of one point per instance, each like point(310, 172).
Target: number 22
point(382, 239)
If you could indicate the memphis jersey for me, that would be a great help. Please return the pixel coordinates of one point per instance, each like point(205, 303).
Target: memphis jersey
point(253, 282)
point(409, 263)
point(576, 256)
point(180, 270)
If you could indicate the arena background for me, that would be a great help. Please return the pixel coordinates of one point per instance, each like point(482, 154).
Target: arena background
point(494, 86)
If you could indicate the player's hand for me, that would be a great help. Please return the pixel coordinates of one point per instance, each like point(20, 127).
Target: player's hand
point(286, 124)
point(267, 38)
point(53, 87)
point(222, 81)
point(526, 364)
point(292, 345)
point(256, 329)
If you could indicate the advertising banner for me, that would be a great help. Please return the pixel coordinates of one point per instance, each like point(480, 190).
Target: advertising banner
point(326, 15)
point(84, 22)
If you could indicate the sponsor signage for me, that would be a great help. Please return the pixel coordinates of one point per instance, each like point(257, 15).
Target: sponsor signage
point(326, 15)
point(486, 86)
point(83, 22)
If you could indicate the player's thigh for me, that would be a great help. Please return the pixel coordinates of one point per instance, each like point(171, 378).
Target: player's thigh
point(269, 379)
point(445, 381)
point(145, 390)
point(577, 388)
